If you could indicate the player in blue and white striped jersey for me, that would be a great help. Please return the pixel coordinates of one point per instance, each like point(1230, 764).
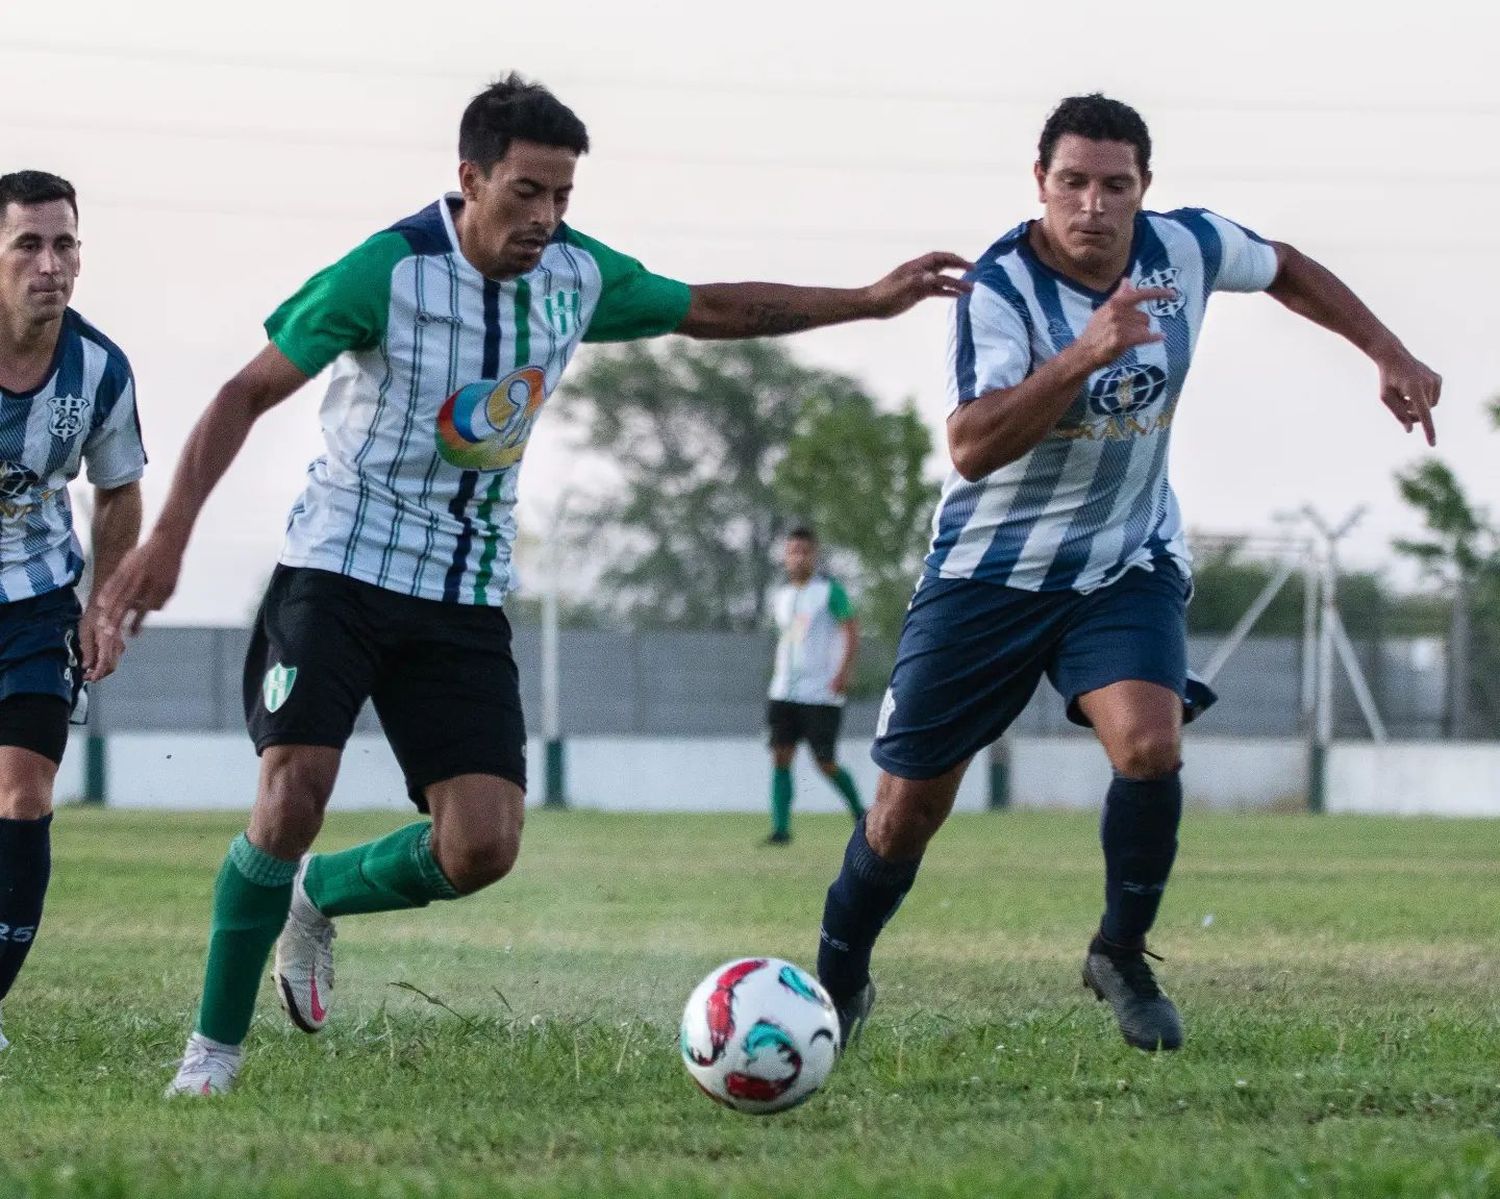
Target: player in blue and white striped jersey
point(67, 400)
point(1058, 547)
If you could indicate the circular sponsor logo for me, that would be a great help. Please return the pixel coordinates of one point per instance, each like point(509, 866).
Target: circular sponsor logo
point(485, 425)
point(1122, 390)
point(16, 480)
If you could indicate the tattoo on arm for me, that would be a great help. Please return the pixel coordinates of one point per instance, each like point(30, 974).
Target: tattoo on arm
point(767, 319)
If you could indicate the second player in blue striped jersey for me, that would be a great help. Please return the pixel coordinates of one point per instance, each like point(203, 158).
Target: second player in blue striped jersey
point(1092, 499)
point(1058, 547)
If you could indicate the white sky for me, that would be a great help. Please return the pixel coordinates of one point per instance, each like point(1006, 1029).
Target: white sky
point(223, 154)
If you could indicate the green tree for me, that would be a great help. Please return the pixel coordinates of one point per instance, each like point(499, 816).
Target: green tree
point(696, 432)
point(1461, 551)
point(856, 474)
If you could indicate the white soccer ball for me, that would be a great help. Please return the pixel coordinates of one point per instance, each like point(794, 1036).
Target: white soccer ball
point(759, 1035)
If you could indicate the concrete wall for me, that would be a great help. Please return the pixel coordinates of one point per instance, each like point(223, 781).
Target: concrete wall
point(1412, 778)
point(664, 774)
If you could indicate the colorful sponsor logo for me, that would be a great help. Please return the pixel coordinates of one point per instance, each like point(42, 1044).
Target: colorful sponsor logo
point(485, 425)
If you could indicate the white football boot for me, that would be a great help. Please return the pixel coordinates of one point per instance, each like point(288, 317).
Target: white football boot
point(4, 1044)
point(208, 1068)
point(304, 959)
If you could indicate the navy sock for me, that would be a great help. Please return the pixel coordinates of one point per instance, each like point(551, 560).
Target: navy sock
point(1139, 834)
point(25, 867)
point(862, 899)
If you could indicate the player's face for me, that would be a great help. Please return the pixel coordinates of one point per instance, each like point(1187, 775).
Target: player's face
point(799, 556)
point(512, 212)
point(1091, 194)
point(38, 259)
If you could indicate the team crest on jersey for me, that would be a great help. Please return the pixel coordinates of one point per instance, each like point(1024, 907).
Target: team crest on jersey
point(276, 689)
point(562, 308)
point(1166, 277)
point(485, 425)
point(68, 416)
point(1122, 390)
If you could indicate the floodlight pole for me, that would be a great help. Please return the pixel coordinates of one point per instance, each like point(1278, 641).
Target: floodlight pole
point(1320, 729)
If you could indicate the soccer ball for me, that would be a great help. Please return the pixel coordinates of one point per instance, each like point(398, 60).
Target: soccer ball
point(759, 1035)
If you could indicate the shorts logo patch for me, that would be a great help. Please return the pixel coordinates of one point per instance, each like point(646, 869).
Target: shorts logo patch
point(277, 688)
point(887, 710)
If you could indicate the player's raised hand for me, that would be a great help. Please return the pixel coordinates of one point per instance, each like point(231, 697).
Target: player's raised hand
point(1120, 324)
point(143, 582)
point(1410, 389)
point(918, 280)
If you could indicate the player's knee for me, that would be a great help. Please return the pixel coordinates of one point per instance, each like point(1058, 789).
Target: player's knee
point(475, 862)
point(1147, 752)
point(830, 767)
point(24, 800)
point(294, 790)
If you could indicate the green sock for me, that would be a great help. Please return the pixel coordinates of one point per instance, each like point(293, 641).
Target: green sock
point(843, 783)
point(391, 874)
point(251, 898)
point(781, 801)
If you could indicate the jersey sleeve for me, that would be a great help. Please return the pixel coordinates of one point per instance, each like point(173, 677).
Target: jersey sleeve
point(342, 307)
point(1247, 262)
point(114, 452)
point(839, 605)
point(633, 302)
point(989, 346)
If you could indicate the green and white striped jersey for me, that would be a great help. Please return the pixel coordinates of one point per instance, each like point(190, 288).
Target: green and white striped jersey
point(438, 376)
point(810, 644)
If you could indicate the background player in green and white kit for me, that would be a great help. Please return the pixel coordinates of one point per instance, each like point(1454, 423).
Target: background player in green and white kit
point(446, 334)
point(817, 640)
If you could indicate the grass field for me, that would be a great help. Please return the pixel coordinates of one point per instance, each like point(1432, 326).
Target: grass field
point(1340, 978)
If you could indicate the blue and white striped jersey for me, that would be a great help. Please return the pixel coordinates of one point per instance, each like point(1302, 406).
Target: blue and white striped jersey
point(83, 412)
point(1091, 500)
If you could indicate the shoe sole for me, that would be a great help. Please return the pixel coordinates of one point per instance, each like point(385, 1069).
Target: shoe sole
point(289, 1006)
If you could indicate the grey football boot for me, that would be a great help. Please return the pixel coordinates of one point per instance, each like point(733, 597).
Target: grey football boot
point(854, 1013)
point(1121, 976)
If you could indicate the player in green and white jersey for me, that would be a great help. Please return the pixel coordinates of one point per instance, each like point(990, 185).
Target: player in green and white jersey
point(446, 334)
point(817, 639)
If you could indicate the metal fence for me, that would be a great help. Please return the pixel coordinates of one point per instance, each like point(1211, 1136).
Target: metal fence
point(697, 684)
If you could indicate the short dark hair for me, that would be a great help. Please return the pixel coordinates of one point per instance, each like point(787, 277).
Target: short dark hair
point(512, 108)
point(35, 187)
point(1099, 119)
point(802, 533)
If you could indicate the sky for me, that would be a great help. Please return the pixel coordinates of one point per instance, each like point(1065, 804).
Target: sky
point(224, 153)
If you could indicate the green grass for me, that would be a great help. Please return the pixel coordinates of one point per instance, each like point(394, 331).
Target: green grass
point(1342, 1004)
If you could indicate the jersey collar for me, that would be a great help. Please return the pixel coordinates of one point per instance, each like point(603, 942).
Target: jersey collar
point(1098, 297)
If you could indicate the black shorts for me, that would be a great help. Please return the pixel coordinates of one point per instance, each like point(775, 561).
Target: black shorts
point(441, 676)
point(41, 672)
point(817, 724)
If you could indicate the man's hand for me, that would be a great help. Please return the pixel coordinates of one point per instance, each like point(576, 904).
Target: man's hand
point(915, 281)
point(101, 649)
point(839, 684)
point(142, 583)
point(1119, 324)
point(1410, 389)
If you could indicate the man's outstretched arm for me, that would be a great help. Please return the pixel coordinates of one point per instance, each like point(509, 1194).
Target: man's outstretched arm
point(147, 577)
point(1409, 388)
point(728, 310)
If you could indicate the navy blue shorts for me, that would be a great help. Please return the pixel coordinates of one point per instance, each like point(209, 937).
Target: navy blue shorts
point(972, 654)
point(39, 646)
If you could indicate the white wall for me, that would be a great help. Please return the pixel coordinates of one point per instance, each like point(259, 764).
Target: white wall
point(1435, 778)
point(170, 770)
